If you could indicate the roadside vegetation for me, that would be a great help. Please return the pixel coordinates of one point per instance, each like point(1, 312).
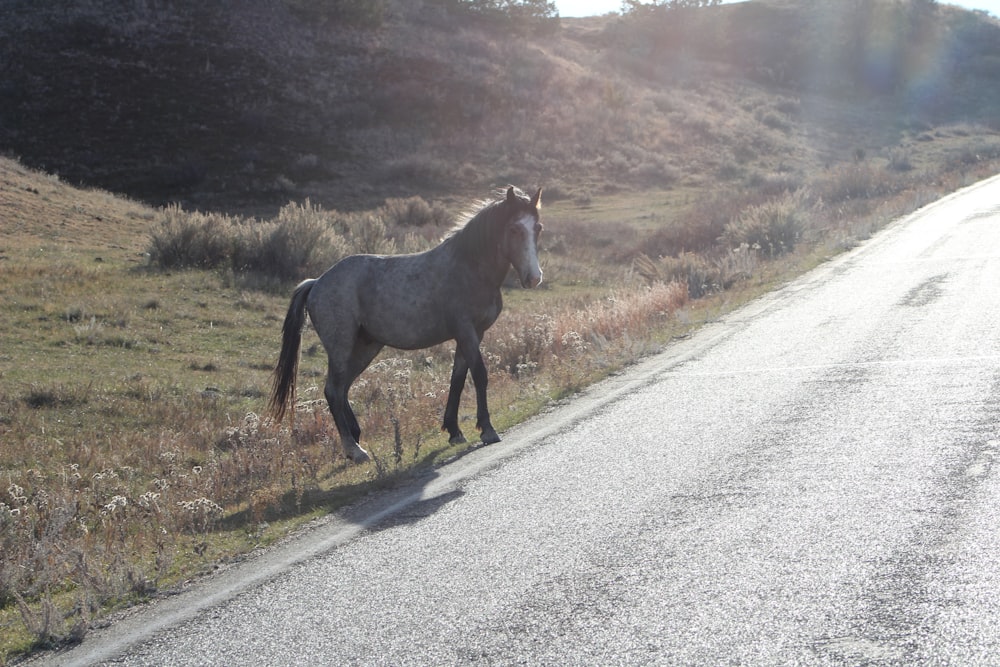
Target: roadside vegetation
point(137, 342)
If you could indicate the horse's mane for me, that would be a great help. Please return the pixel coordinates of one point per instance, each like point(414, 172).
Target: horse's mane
point(479, 230)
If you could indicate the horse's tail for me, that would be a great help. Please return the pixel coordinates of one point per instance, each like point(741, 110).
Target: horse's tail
point(283, 381)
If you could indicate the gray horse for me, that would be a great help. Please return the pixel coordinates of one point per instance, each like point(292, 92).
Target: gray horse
point(451, 292)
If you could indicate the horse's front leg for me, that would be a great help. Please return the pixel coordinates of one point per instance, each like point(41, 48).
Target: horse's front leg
point(469, 349)
point(458, 374)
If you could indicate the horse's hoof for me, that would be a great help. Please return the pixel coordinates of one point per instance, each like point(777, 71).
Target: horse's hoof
point(457, 440)
point(358, 455)
point(490, 436)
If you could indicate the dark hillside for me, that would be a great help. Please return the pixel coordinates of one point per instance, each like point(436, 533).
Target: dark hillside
point(244, 106)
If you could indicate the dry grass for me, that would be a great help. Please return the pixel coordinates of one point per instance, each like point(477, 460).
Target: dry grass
point(130, 395)
point(133, 451)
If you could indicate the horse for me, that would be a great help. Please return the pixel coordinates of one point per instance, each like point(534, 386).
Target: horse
point(450, 292)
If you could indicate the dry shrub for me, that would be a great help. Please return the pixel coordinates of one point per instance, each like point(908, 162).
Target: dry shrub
point(300, 242)
point(522, 343)
point(529, 343)
point(182, 239)
point(622, 319)
point(413, 212)
point(738, 264)
point(699, 274)
point(699, 229)
point(858, 180)
point(367, 233)
point(773, 227)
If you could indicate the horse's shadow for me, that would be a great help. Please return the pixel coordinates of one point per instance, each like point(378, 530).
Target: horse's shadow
point(386, 502)
point(417, 511)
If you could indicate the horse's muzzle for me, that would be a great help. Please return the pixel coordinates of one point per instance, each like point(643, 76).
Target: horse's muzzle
point(532, 280)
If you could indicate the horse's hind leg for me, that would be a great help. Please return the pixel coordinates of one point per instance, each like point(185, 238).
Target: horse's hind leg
point(341, 376)
point(343, 417)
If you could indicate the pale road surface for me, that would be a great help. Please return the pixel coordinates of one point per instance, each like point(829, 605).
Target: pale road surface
point(808, 481)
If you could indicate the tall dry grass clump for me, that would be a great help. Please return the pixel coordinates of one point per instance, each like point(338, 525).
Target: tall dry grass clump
point(526, 343)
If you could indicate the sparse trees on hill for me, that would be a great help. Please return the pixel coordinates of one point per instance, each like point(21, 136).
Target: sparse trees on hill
point(526, 13)
point(633, 6)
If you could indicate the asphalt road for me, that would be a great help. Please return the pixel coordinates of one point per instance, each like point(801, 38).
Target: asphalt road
point(807, 481)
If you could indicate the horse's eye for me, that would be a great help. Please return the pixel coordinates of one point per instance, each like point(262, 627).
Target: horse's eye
point(538, 228)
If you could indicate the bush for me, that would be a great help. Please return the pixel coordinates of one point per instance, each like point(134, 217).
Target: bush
point(860, 180)
point(772, 227)
point(300, 243)
point(699, 229)
point(368, 234)
point(413, 212)
point(699, 274)
point(190, 239)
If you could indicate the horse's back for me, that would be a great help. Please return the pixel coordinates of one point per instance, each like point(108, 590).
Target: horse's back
point(404, 301)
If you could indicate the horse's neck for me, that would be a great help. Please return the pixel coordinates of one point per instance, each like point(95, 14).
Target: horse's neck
point(481, 257)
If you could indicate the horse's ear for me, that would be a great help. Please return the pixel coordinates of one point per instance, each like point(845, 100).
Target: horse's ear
point(536, 201)
point(511, 197)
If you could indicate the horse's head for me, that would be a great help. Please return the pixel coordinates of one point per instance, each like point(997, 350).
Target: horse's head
point(520, 239)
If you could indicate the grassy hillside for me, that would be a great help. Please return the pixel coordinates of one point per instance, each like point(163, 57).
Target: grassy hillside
point(690, 161)
point(245, 109)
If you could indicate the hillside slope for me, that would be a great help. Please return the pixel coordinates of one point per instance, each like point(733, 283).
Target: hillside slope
point(246, 107)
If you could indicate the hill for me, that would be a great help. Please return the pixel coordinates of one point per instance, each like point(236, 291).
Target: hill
point(245, 106)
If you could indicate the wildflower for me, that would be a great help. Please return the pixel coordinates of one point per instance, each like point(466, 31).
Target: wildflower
point(201, 505)
point(17, 494)
point(116, 502)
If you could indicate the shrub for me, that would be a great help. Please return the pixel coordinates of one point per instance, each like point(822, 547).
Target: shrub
point(773, 184)
point(860, 180)
point(696, 272)
point(368, 234)
point(301, 242)
point(772, 227)
point(775, 121)
point(413, 212)
point(698, 229)
point(900, 159)
point(190, 239)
